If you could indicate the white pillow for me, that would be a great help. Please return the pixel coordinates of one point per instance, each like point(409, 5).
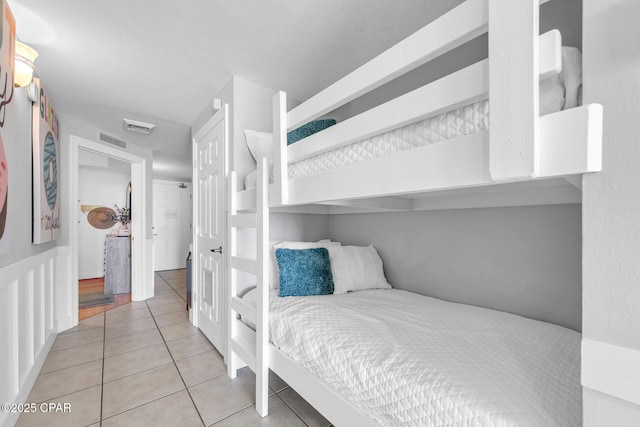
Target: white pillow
point(260, 144)
point(358, 268)
point(342, 281)
point(274, 271)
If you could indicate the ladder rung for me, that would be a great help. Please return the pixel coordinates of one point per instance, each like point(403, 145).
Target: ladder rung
point(244, 220)
point(247, 311)
point(245, 351)
point(244, 264)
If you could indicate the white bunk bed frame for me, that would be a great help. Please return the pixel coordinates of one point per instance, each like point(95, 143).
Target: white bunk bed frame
point(520, 146)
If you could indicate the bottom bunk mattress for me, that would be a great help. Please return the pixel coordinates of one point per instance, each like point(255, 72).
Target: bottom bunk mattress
point(411, 360)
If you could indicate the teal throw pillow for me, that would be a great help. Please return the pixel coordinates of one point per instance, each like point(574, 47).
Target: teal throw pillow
point(304, 272)
point(309, 129)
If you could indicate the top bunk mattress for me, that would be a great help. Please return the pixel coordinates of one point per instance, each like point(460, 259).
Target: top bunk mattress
point(473, 118)
point(411, 360)
point(556, 93)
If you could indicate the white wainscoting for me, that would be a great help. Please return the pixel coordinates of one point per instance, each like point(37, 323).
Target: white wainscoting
point(612, 370)
point(35, 304)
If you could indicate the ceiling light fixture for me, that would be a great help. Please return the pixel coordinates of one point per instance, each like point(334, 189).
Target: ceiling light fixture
point(136, 126)
point(25, 64)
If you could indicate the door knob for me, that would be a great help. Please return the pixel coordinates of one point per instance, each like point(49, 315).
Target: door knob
point(219, 250)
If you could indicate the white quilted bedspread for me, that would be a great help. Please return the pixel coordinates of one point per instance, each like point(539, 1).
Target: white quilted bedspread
point(410, 360)
point(466, 120)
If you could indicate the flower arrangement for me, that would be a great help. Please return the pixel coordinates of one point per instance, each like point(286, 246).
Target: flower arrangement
point(121, 215)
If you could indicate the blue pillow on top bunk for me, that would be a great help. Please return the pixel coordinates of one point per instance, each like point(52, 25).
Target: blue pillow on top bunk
point(304, 272)
point(309, 129)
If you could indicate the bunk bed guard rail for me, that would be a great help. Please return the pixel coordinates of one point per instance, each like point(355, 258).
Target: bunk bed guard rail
point(521, 145)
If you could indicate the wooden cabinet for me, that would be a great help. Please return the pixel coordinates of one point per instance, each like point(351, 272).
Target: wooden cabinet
point(117, 275)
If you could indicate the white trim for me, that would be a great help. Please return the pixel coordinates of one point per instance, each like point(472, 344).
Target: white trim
point(455, 90)
point(281, 149)
point(464, 87)
point(449, 31)
point(21, 267)
point(29, 381)
point(569, 144)
point(210, 124)
point(611, 369)
point(35, 295)
point(514, 89)
point(211, 320)
point(317, 393)
point(141, 247)
point(262, 280)
point(519, 147)
point(206, 127)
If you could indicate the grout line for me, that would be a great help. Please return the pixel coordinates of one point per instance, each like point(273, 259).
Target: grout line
point(271, 396)
point(53, 399)
point(76, 346)
point(176, 365)
point(146, 368)
point(104, 338)
point(172, 288)
point(291, 408)
point(122, 322)
point(145, 403)
point(231, 415)
point(136, 341)
point(137, 372)
point(204, 381)
point(157, 328)
point(68, 367)
point(185, 336)
point(138, 406)
point(69, 331)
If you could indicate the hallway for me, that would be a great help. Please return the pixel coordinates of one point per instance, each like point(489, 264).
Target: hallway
point(144, 364)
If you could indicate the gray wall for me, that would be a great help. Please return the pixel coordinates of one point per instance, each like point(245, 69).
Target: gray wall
point(73, 125)
point(300, 227)
point(564, 15)
point(611, 200)
point(19, 215)
point(523, 260)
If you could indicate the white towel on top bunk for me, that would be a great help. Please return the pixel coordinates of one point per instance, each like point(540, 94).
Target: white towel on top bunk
point(563, 90)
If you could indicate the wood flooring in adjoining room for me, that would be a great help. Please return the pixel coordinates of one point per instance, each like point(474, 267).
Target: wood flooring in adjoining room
point(87, 286)
point(144, 364)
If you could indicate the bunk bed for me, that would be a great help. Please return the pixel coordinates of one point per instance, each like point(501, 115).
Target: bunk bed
point(519, 145)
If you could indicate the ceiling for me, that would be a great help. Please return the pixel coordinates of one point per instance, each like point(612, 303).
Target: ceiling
point(163, 61)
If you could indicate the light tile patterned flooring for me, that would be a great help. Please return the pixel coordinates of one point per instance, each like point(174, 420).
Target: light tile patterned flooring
point(144, 364)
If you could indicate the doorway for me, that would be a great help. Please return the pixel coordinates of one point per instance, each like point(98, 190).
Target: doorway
point(141, 243)
point(210, 152)
point(171, 224)
point(103, 242)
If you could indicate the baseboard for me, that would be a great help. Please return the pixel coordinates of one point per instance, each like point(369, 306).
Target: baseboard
point(611, 370)
point(64, 323)
point(90, 275)
point(30, 380)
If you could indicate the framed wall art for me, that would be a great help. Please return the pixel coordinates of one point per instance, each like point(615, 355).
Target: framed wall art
point(7, 65)
point(46, 154)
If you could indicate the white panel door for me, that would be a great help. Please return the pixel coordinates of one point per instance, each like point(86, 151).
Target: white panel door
point(171, 224)
point(209, 182)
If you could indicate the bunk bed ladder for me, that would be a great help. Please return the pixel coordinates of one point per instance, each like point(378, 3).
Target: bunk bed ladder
point(280, 157)
point(240, 347)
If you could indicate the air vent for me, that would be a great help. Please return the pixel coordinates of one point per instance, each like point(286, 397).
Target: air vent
point(140, 127)
point(112, 140)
